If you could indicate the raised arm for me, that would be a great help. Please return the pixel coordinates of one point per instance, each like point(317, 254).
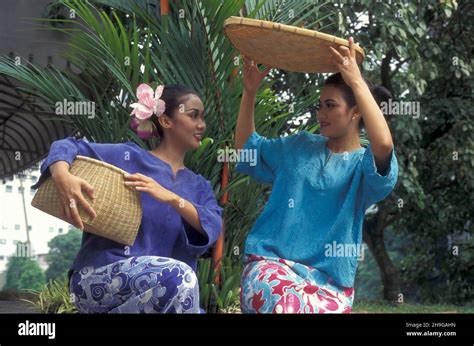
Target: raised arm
point(374, 121)
point(245, 121)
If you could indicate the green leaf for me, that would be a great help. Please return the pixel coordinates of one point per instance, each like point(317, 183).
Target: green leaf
point(448, 12)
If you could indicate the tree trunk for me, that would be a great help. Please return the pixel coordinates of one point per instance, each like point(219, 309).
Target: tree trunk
point(374, 238)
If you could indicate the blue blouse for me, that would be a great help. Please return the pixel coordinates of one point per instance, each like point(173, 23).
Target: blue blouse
point(315, 212)
point(162, 232)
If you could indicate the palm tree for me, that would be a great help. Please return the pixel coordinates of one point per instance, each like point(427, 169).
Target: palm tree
point(119, 44)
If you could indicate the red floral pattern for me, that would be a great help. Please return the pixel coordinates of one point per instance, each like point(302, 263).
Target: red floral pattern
point(276, 285)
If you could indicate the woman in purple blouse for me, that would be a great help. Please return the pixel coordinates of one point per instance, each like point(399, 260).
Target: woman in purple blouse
point(181, 217)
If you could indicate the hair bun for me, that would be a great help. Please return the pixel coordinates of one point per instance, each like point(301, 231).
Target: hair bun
point(381, 94)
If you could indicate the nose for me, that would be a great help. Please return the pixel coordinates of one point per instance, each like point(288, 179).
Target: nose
point(321, 116)
point(201, 125)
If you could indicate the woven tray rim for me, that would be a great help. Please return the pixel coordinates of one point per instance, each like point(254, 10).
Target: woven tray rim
point(264, 24)
point(101, 163)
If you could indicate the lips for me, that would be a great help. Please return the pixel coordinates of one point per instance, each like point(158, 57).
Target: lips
point(324, 124)
point(198, 136)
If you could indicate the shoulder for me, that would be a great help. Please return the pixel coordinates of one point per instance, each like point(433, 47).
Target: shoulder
point(127, 146)
point(270, 145)
point(131, 145)
point(116, 150)
point(299, 137)
point(312, 137)
point(111, 146)
point(306, 139)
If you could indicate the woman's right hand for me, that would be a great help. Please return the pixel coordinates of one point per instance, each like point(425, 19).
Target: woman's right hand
point(252, 76)
point(70, 191)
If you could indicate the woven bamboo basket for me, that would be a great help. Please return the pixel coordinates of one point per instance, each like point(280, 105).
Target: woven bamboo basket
point(285, 47)
point(118, 207)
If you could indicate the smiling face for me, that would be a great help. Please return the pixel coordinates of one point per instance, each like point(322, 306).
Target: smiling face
point(187, 124)
point(334, 115)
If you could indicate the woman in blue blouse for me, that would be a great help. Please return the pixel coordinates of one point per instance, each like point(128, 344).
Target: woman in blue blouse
point(301, 255)
point(181, 217)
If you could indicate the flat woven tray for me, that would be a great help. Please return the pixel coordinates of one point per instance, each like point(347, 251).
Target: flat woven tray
point(284, 46)
point(118, 207)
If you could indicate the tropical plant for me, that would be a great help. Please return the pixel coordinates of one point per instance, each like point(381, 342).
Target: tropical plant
point(224, 297)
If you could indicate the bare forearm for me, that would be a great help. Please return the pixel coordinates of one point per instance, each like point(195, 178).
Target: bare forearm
point(188, 212)
point(374, 121)
point(245, 121)
point(59, 168)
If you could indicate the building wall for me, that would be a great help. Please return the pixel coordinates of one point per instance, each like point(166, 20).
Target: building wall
point(43, 227)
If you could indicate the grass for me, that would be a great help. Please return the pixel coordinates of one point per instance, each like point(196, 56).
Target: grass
point(366, 306)
point(53, 298)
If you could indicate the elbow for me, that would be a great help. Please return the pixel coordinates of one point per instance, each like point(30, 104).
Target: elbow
point(382, 149)
point(238, 145)
point(386, 144)
point(239, 142)
point(387, 147)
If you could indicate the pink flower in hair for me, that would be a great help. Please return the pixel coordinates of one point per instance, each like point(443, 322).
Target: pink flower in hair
point(147, 105)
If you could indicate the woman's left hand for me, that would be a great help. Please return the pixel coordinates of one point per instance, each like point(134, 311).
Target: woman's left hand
point(146, 184)
point(345, 61)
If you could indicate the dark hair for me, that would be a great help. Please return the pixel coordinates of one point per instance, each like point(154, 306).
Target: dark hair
point(380, 93)
point(172, 95)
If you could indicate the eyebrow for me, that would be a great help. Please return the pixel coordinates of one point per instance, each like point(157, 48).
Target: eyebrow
point(328, 100)
point(193, 109)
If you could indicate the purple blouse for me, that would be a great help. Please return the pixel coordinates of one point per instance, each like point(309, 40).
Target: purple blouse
point(163, 232)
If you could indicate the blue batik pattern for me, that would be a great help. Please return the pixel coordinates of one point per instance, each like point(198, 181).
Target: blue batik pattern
point(144, 284)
